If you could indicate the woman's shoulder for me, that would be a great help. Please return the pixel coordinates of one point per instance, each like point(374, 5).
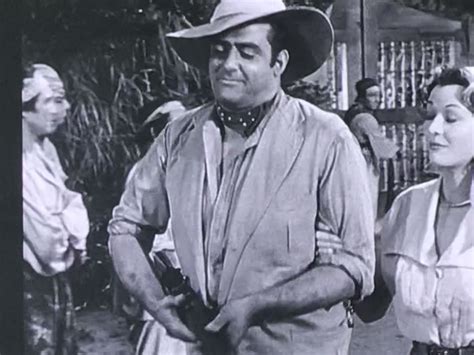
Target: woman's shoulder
point(417, 193)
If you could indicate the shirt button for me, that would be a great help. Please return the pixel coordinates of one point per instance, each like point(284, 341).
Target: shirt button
point(439, 273)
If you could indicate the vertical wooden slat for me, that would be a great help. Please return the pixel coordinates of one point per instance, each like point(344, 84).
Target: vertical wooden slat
point(404, 155)
point(402, 74)
point(395, 162)
point(413, 73)
point(384, 166)
point(343, 99)
point(382, 74)
point(391, 77)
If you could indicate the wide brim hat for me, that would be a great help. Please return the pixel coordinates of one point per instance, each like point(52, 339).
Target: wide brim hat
point(309, 34)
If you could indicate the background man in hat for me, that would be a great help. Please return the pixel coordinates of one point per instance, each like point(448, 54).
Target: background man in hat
point(246, 178)
point(375, 146)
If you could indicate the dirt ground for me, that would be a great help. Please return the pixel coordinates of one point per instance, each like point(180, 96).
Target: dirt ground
point(102, 333)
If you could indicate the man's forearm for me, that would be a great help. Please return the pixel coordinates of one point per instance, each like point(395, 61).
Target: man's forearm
point(135, 272)
point(319, 287)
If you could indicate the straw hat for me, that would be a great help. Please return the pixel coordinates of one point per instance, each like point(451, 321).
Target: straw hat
point(309, 33)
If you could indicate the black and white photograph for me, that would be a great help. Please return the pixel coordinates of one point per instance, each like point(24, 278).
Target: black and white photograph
point(240, 177)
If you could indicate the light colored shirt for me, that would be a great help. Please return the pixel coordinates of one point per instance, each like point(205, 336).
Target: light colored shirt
point(228, 158)
point(434, 293)
point(249, 223)
point(55, 221)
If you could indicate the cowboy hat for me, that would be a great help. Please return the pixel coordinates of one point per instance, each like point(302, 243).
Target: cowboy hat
point(309, 33)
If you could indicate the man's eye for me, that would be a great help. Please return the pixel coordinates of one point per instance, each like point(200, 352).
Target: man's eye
point(247, 53)
point(218, 49)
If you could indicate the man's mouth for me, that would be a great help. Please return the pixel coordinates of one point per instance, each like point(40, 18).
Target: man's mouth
point(229, 81)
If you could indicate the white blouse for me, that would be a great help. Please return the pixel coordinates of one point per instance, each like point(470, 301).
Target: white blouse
point(55, 221)
point(434, 296)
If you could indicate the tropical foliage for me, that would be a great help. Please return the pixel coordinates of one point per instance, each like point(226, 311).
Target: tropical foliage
point(113, 58)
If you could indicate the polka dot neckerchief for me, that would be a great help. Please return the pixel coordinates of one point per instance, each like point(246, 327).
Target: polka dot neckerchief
point(243, 122)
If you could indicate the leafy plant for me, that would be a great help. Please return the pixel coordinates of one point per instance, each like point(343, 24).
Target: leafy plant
point(114, 59)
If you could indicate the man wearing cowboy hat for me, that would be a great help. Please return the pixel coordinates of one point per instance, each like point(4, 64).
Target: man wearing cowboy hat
point(246, 178)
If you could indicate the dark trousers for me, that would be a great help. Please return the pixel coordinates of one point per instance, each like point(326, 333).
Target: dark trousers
point(48, 314)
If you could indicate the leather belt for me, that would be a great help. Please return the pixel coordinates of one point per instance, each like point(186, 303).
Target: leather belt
point(429, 349)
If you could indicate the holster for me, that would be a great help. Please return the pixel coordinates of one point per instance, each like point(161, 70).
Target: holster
point(193, 312)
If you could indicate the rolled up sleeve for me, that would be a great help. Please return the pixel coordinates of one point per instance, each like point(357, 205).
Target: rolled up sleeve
point(345, 207)
point(144, 201)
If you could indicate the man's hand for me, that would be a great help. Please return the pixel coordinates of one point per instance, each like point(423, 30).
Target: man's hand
point(81, 256)
point(327, 243)
point(166, 314)
point(233, 320)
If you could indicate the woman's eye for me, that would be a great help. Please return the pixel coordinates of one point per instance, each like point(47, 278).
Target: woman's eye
point(451, 116)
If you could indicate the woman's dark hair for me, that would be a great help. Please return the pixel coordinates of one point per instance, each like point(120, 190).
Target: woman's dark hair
point(454, 76)
point(449, 76)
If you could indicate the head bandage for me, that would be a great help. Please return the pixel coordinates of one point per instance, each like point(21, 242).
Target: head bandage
point(43, 77)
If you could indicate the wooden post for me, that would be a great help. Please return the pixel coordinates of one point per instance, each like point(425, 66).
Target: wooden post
point(371, 46)
point(346, 18)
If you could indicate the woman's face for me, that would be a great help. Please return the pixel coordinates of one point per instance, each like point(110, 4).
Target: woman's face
point(451, 131)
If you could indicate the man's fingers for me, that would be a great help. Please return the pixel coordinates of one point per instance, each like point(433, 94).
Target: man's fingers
point(324, 244)
point(216, 324)
point(327, 237)
point(179, 299)
point(327, 243)
point(180, 331)
point(183, 335)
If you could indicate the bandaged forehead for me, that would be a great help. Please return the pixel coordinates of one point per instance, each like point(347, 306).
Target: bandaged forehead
point(44, 79)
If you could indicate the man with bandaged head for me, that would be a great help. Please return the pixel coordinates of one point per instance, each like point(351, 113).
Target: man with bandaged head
point(55, 221)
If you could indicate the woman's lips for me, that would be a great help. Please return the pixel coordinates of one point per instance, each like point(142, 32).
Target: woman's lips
point(435, 146)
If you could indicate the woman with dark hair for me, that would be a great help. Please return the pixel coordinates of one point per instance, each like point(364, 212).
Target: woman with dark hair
point(427, 256)
point(426, 261)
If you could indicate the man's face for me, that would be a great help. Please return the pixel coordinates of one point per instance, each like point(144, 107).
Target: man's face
point(240, 68)
point(372, 97)
point(50, 111)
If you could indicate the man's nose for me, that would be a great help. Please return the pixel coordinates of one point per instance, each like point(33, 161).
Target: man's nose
point(231, 62)
point(67, 105)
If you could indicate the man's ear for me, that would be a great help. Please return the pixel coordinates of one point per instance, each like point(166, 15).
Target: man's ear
point(281, 62)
